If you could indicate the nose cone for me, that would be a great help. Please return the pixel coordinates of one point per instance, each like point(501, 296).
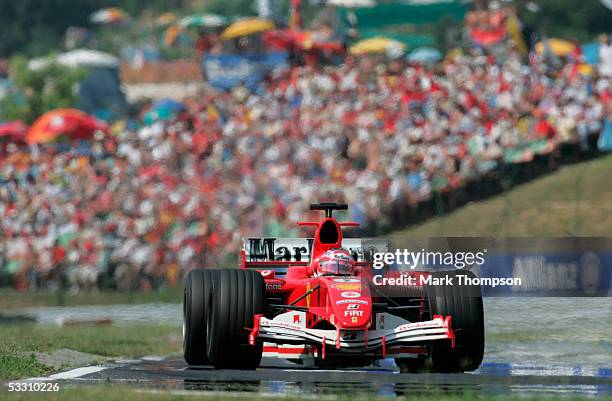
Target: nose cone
point(351, 302)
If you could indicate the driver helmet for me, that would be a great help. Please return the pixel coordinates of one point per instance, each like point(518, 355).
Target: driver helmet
point(336, 262)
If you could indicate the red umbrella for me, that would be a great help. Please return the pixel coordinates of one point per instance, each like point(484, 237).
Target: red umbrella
point(14, 129)
point(283, 38)
point(71, 122)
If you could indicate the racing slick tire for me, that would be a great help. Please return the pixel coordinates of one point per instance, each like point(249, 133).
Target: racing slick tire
point(198, 286)
point(464, 304)
point(237, 295)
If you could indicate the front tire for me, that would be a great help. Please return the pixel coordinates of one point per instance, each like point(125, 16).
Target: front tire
point(464, 304)
point(237, 296)
point(198, 287)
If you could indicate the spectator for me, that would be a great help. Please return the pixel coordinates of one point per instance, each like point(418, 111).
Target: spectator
point(135, 209)
point(605, 56)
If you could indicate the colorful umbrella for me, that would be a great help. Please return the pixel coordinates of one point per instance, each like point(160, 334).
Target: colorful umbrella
point(283, 38)
point(424, 55)
point(247, 26)
point(168, 106)
point(71, 122)
point(207, 20)
point(15, 129)
point(163, 109)
point(165, 19)
point(559, 47)
point(351, 3)
point(111, 15)
point(376, 45)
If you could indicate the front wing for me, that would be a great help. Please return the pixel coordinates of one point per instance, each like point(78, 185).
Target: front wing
point(353, 341)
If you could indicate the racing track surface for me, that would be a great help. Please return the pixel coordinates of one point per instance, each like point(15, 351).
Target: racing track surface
point(533, 345)
point(284, 378)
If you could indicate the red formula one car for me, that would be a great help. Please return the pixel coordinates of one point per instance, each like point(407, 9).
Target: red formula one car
point(314, 301)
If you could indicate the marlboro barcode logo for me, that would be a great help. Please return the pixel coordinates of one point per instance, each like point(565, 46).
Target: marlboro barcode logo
point(298, 249)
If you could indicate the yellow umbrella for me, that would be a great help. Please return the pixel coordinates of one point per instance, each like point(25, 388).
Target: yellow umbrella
point(166, 19)
point(375, 45)
point(559, 47)
point(247, 26)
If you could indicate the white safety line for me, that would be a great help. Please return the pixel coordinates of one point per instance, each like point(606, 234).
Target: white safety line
point(153, 358)
point(71, 374)
point(340, 370)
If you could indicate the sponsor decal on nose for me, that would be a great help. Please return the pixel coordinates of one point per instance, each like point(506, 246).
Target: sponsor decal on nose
point(350, 294)
point(351, 301)
point(347, 286)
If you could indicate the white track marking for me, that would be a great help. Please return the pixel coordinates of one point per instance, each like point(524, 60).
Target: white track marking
point(153, 358)
point(71, 374)
point(339, 370)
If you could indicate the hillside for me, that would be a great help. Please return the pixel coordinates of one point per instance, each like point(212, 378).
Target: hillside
point(575, 200)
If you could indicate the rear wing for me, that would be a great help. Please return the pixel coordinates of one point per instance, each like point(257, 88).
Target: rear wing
point(281, 253)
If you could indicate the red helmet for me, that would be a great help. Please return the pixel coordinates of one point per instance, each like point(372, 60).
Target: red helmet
point(336, 262)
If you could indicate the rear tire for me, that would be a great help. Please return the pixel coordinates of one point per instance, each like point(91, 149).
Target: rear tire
point(198, 286)
point(464, 304)
point(236, 297)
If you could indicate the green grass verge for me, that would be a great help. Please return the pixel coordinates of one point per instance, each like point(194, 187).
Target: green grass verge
point(20, 342)
point(23, 365)
point(122, 393)
point(576, 200)
point(13, 299)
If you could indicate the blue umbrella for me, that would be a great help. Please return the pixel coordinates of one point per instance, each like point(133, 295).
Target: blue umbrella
point(424, 55)
point(171, 105)
point(163, 109)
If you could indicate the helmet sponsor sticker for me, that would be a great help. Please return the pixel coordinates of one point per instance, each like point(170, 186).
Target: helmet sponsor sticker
point(350, 294)
point(348, 286)
point(351, 301)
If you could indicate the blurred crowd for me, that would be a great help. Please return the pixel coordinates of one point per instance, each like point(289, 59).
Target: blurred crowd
point(136, 208)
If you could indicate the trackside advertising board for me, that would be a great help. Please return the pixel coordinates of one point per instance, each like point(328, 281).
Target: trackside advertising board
point(546, 266)
point(225, 71)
